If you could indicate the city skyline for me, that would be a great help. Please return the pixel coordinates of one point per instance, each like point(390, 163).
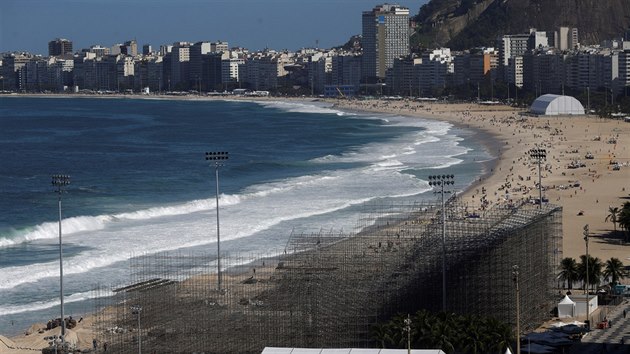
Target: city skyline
point(28, 25)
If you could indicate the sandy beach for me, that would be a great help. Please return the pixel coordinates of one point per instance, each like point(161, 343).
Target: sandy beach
point(566, 140)
point(585, 193)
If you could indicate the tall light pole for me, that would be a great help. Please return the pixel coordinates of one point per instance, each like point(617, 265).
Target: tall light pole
point(478, 93)
point(539, 155)
point(588, 100)
point(518, 309)
point(408, 330)
point(136, 310)
point(441, 181)
point(218, 158)
point(588, 304)
point(60, 181)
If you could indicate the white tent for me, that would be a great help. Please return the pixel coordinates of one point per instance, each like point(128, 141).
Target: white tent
point(553, 105)
point(566, 307)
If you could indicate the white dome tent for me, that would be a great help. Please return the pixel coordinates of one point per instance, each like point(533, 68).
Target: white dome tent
point(554, 105)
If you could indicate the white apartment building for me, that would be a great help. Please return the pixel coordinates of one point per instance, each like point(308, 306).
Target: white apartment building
point(514, 71)
point(231, 69)
point(512, 45)
point(219, 47)
point(433, 71)
point(385, 38)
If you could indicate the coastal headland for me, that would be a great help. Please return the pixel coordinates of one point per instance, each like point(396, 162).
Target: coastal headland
point(585, 193)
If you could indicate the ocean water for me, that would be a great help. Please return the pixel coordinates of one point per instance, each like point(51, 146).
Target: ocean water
point(140, 183)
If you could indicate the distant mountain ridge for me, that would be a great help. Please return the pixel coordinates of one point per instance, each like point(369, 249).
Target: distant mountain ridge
point(461, 24)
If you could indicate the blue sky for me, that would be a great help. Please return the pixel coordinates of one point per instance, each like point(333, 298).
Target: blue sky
point(28, 25)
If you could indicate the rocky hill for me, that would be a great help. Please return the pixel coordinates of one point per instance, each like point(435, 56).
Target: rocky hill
point(463, 24)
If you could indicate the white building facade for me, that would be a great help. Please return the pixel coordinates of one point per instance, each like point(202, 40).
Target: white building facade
point(385, 38)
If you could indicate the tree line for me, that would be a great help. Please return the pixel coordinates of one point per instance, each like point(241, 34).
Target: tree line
point(450, 332)
point(571, 271)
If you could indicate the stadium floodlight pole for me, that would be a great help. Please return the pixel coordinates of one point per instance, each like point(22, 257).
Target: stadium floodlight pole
point(518, 309)
point(443, 180)
point(218, 158)
point(588, 304)
point(408, 330)
point(60, 181)
point(136, 310)
point(539, 155)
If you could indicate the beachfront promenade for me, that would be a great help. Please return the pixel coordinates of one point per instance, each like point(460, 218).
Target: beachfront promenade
point(609, 340)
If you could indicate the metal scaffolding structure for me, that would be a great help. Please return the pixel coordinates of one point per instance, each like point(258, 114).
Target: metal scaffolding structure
point(327, 288)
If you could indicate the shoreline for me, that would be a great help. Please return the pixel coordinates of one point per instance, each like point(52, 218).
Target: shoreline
point(500, 128)
point(489, 140)
point(511, 135)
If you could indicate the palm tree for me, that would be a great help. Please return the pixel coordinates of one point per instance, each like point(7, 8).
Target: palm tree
point(382, 333)
point(443, 335)
point(421, 325)
point(390, 334)
point(613, 215)
point(594, 270)
point(473, 339)
point(624, 218)
point(500, 335)
point(614, 271)
point(569, 271)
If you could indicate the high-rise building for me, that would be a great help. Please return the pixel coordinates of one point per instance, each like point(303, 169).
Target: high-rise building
point(196, 52)
point(155, 73)
point(385, 38)
point(130, 48)
point(433, 71)
point(514, 71)
point(146, 49)
point(231, 70)
point(346, 69)
point(14, 70)
point(99, 50)
point(543, 71)
point(512, 45)
point(566, 38)
point(116, 49)
point(402, 80)
point(210, 74)
point(624, 70)
point(59, 46)
point(180, 66)
point(219, 46)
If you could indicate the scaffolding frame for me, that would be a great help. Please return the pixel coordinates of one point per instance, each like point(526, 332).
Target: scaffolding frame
point(328, 288)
